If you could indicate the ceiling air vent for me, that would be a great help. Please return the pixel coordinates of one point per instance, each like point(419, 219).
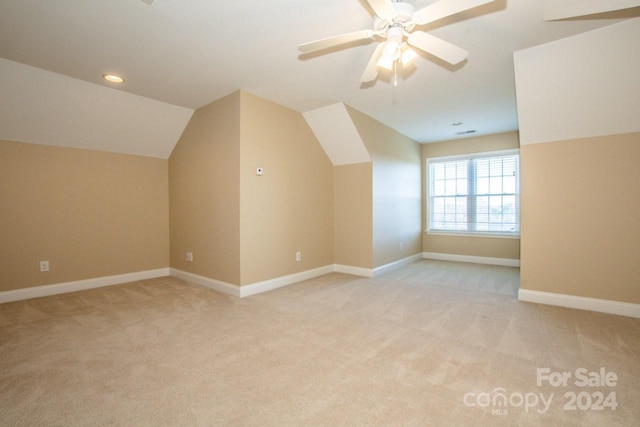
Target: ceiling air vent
point(466, 132)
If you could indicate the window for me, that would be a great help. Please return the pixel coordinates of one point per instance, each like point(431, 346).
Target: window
point(474, 194)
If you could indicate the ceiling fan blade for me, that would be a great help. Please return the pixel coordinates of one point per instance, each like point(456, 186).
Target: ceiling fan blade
point(371, 71)
point(383, 8)
point(437, 47)
point(444, 8)
point(563, 9)
point(335, 41)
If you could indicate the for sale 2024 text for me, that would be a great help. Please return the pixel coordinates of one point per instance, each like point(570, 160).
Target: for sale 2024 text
point(582, 377)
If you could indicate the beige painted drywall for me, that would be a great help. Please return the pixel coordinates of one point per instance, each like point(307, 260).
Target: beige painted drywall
point(89, 213)
point(580, 217)
point(204, 188)
point(353, 215)
point(397, 187)
point(290, 207)
point(462, 245)
point(243, 228)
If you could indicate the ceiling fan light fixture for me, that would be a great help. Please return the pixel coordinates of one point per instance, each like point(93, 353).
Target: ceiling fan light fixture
point(392, 48)
point(408, 55)
point(386, 62)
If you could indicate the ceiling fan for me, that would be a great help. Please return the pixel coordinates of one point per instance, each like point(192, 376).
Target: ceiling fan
point(395, 22)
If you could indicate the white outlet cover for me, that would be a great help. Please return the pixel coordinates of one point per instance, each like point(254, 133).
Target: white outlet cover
point(259, 171)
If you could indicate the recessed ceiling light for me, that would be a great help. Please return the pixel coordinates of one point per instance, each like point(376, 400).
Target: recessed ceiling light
point(113, 78)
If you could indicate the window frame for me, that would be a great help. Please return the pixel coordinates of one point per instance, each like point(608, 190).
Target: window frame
point(467, 157)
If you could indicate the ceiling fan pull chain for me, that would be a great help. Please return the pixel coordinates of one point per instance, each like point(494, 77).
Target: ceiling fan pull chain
point(395, 73)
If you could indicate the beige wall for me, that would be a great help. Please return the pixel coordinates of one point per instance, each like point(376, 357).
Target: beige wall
point(290, 207)
point(89, 213)
point(94, 214)
point(353, 215)
point(204, 190)
point(580, 217)
point(397, 187)
point(462, 245)
point(243, 228)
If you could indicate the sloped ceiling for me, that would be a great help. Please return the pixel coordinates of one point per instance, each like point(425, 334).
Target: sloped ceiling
point(545, 71)
point(179, 55)
point(42, 107)
point(337, 134)
point(563, 9)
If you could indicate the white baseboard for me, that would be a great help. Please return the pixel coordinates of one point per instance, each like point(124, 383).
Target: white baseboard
point(253, 288)
point(278, 282)
point(226, 288)
point(562, 300)
point(372, 272)
point(580, 303)
point(505, 262)
point(396, 264)
point(216, 285)
point(268, 285)
point(354, 271)
point(79, 285)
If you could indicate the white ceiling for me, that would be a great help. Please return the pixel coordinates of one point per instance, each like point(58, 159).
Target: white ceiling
point(191, 52)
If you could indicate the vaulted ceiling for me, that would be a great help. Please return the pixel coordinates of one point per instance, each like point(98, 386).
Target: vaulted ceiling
point(179, 55)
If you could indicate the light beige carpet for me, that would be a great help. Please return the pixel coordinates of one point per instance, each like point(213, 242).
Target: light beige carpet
point(431, 343)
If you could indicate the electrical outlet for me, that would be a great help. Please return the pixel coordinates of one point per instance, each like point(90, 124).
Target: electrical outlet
point(298, 256)
point(188, 256)
point(401, 245)
point(44, 266)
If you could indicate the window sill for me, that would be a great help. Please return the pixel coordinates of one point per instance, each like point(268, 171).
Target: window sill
point(466, 234)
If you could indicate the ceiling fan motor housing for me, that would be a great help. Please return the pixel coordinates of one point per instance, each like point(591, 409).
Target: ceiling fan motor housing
point(403, 17)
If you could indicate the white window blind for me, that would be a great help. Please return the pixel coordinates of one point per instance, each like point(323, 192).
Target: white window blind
point(477, 194)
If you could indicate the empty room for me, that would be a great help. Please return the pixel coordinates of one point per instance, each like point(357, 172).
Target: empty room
point(338, 212)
